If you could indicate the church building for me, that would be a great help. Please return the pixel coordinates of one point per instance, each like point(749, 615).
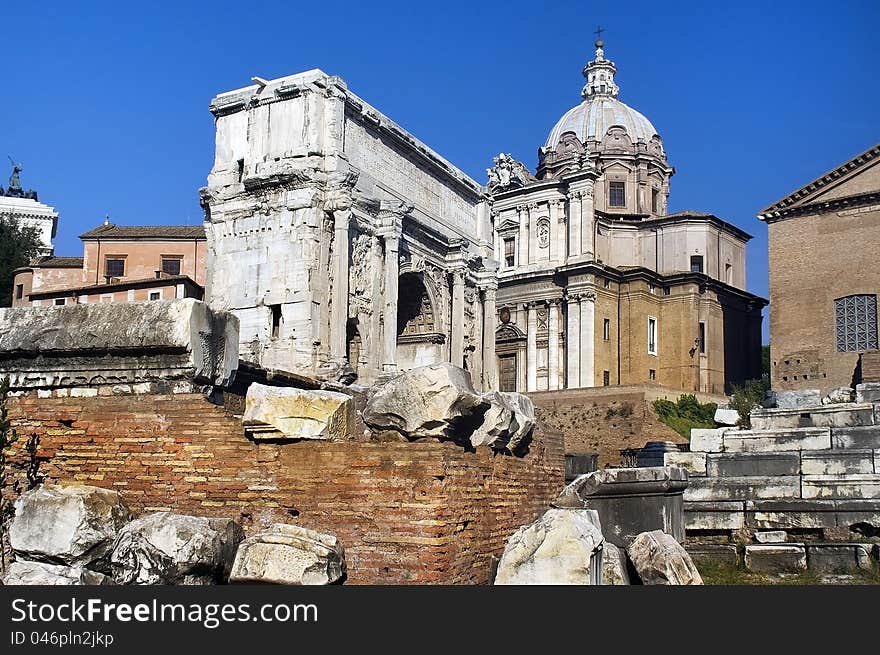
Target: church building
point(349, 249)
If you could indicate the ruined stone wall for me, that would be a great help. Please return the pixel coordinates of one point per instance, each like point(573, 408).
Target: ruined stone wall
point(605, 420)
point(421, 512)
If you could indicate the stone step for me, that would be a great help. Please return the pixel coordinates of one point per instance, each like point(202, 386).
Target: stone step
point(839, 557)
point(775, 558)
point(743, 488)
point(752, 464)
point(840, 486)
point(771, 441)
point(837, 462)
point(856, 437)
point(842, 415)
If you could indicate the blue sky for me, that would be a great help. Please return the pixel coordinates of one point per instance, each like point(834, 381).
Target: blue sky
point(107, 103)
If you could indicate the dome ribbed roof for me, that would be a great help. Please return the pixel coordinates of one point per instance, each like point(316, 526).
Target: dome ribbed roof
point(595, 116)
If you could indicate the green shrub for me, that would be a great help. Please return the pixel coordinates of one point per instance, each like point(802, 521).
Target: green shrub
point(748, 396)
point(686, 413)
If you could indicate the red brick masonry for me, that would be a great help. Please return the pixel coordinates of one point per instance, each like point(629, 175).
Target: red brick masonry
point(422, 512)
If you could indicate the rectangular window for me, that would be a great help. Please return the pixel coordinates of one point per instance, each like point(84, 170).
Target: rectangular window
point(696, 264)
point(107, 298)
point(652, 374)
point(276, 320)
point(606, 283)
point(666, 291)
point(651, 288)
point(702, 338)
point(155, 295)
point(728, 274)
point(606, 378)
point(655, 200)
point(171, 265)
point(652, 336)
point(616, 194)
point(59, 301)
point(606, 329)
point(114, 267)
point(509, 252)
point(855, 320)
point(19, 291)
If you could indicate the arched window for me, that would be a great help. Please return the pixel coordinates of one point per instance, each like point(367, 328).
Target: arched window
point(855, 318)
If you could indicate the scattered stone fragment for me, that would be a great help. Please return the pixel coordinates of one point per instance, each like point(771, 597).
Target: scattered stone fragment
point(165, 548)
point(290, 413)
point(771, 537)
point(661, 560)
point(430, 401)
point(839, 395)
point(725, 416)
point(508, 421)
point(67, 525)
point(775, 558)
point(25, 572)
point(614, 565)
point(561, 547)
point(290, 555)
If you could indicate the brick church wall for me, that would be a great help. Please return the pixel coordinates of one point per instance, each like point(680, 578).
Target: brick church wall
point(421, 512)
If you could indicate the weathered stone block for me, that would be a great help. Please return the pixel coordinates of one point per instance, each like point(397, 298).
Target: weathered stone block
point(840, 486)
point(751, 464)
point(837, 462)
point(25, 572)
point(614, 569)
point(721, 515)
point(716, 553)
point(630, 500)
point(661, 560)
point(289, 555)
point(165, 548)
point(68, 525)
point(724, 416)
point(868, 392)
point(839, 558)
point(767, 558)
point(116, 343)
point(771, 537)
point(693, 463)
point(844, 415)
point(798, 398)
point(707, 440)
point(813, 513)
point(430, 401)
point(768, 441)
point(562, 546)
point(288, 413)
point(743, 488)
point(856, 437)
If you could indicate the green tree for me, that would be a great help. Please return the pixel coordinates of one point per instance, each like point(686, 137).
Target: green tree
point(765, 362)
point(18, 246)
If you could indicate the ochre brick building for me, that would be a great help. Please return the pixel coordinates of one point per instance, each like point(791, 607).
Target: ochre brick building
point(824, 277)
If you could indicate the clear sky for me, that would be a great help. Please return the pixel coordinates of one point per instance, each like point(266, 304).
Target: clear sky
point(106, 104)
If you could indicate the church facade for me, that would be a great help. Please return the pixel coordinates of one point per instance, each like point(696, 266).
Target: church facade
point(348, 248)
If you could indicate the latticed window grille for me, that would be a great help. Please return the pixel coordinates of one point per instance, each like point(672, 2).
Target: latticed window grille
point(856, 320)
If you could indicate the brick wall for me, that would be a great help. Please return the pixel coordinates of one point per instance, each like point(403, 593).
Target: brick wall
point(813, 261)
point(605, 420)
point(871, 366)
point(421, 512)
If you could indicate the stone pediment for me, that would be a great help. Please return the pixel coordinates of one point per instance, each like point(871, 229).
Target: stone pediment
point(508, 332)
point(860, 176)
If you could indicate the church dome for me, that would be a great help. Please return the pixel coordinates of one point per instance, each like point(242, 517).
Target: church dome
point(592, 119)
point(600, 109)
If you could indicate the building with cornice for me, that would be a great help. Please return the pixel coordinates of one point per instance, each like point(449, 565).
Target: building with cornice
point(824, 279)
point(349, 249)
